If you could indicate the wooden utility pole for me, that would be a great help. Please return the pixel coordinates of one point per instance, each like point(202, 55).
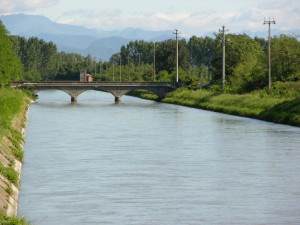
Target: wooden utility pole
point(177, 34)
point(223, 57)
point(120, 68)
point(154, 62)
point(269, 22)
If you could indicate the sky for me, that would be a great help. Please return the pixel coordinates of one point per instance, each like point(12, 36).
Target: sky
point(190, 17)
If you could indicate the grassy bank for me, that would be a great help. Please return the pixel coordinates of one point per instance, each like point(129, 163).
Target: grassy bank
point(13, 107)
point(12, 220)
point(280, 105)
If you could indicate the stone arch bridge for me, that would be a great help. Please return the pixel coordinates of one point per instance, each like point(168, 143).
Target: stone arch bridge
point(117, 89)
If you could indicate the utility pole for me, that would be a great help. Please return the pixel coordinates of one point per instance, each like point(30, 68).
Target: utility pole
point(100, 67)
point(154, 62)
point(269, 22)
point(128, 69)
point(223, 57)
point(120, 68)
point(177, 34)
point(113, 64)
point(95, 65)
point(139, 66)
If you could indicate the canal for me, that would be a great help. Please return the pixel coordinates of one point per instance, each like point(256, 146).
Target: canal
point(142, 162)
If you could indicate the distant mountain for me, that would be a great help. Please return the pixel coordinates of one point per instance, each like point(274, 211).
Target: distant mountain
point(104, 47)
point(76, 39)
point(29, 25)
point(73, 41)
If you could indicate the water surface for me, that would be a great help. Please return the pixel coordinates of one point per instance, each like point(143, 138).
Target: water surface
point(144, 162)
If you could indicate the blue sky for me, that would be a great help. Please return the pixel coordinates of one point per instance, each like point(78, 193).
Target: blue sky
point(189, 16)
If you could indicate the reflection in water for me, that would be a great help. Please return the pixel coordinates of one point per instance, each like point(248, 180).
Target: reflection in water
point(143, 162)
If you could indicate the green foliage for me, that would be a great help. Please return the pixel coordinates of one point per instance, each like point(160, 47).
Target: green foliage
point(287, 112)
point(16, 149)
point(11, 102)
point(281, 89)
point(10, 174)
point(10, 66)
point(37, 56)
point(268, 107)
point(166, 56)
point(203, 50)
point(144, 94)
point(12, 220)
point(285, 58)
point(164, 76)
point(9, 190)
point(32, 75)
point(244, 63)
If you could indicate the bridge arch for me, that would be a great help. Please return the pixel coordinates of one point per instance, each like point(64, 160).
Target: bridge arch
point(72, 93)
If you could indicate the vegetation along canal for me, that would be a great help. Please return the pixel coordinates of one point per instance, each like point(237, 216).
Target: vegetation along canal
point(142, 162)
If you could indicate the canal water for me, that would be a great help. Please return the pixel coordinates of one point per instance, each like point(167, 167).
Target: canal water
point(142, 162)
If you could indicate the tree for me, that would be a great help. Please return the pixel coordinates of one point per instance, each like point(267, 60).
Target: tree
point(202, 50)
point(285, 54)
point(10, 66)
point(244, 63)
point(166, 56)
point(36, 55)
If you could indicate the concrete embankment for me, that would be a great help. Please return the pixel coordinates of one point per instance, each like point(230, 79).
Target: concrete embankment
point(11, 156)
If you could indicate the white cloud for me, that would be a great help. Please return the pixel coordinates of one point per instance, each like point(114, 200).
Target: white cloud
point(189, 23)
point(30, 4)
point(9, 6)
point(287, 17)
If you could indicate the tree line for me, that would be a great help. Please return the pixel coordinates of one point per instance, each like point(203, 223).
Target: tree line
point(200, 60)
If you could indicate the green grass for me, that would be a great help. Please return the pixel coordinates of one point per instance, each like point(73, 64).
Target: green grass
point(10, 174)
point(281, 104)
point(144, 94)
point(11, 103)
point(284, 108)
point(12, 220)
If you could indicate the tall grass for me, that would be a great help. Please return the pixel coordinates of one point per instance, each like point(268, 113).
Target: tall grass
point(11, 103)
point(280, 105)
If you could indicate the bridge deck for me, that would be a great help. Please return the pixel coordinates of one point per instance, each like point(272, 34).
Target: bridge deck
point(96, 84)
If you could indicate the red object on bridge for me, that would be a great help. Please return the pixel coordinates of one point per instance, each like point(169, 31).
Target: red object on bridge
point(89, 78)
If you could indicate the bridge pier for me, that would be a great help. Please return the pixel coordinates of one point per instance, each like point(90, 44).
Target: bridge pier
point(118, 99)
point(73, 98)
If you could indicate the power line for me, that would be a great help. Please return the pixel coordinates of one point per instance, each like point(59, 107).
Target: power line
point(269, 22)
point(223, 57)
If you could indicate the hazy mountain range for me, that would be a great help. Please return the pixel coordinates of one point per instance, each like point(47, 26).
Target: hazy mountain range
point(100, 44)
point(69, 38)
